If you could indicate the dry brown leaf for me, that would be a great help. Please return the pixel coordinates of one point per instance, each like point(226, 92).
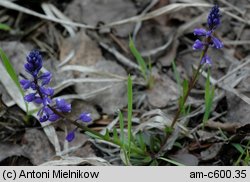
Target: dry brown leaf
point(211, 152)
point(79, 147)
point(36, 146)
point(167, 59)
point(238, 110)
point(230, 127)
point(164, 91)
point(150, 36)
point(16, 52)
point(95, 11)
point(73, 161)
point(185, 158)
point(112, 98)
point(206, 136)
point(9, 150)
point(86, 51)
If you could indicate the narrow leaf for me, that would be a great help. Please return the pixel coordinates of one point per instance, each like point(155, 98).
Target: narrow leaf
point(209, 94)
point(185, 87)
point(106, 136)
point(172, 161)
point(4, 27)
point(115, 135)
point(239, 148)
point(121, 122)
point(10, 70)
point(130, 104)
point(138, 58)
point(141, 141)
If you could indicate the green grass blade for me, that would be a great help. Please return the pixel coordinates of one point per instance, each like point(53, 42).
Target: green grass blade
point(93, 135)
point(209, 94)
point(130, 105)
point(141, 141)
point(241, 150)
point(238, 147)
point(172, 161)
point(181, 99)
point(185, 87)
point(115, 135)
point(207, 87)
point(121, 122)
point(106, 136)
point(4, 27)
point(10, 70)
point(138, 58)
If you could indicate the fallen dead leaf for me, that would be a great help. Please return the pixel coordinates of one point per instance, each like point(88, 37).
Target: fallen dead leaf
point(150, 36)
point(212, 152)
point(79, 147)
point(16, 52)
point(230, 127)
point(238, 110)
point(9, 150)
point(86, 51)
point(36, 146)
point(206, 136)
point(164, 91)
point(185, 158)
point(94, 11)
point(73, 161)
point(112, 98)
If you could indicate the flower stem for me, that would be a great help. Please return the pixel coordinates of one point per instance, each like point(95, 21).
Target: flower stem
point(87, 129)
point(190, 87)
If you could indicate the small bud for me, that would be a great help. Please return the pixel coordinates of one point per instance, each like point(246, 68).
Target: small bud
point(70, 136)
point(85, 117)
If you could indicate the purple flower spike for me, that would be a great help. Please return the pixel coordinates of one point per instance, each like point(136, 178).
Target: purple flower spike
point(213, 19)
point(30, 97)
point(34, 64)
point(198, 45)
point(200, 32)
point(206, 60)
point(85, 117)
point(70, 136)
point(41, 94)
point(62, 105)
point(213, 22)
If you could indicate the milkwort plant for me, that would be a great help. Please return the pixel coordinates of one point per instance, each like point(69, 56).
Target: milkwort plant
point(130, 145)
point(42, 94)
point(52, 111)
point(209, 40)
